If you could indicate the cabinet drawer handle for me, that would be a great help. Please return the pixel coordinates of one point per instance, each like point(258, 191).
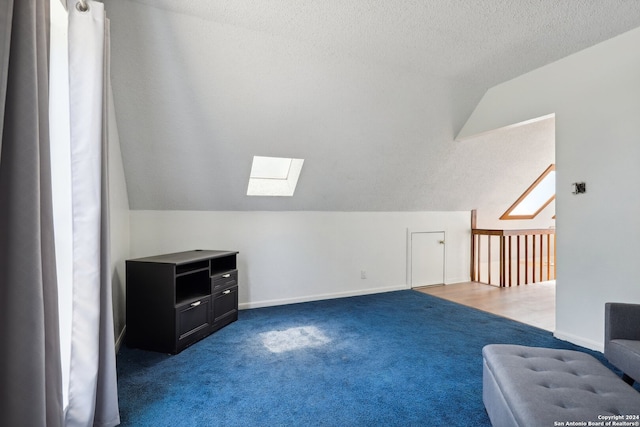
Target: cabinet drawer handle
point(228, 291)
point(195, 304)
point(226, 276)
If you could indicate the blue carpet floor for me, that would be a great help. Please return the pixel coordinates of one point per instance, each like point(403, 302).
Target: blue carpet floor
point(393, 359)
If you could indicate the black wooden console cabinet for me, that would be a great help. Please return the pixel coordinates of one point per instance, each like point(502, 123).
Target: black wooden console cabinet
point(174, 300)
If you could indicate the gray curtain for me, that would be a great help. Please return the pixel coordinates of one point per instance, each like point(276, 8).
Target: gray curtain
point(30, 372)
point(93, 398)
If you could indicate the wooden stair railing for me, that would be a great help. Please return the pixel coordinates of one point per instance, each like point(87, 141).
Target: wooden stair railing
point(523, 256)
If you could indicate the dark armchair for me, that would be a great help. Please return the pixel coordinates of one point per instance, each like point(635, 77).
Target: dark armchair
point(622, 338)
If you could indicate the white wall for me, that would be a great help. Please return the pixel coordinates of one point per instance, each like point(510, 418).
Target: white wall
point(288, 257)
point(595, 95)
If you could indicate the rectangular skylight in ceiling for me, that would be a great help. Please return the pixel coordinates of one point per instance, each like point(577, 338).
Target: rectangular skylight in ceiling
point(270, 167)
point(274, 176)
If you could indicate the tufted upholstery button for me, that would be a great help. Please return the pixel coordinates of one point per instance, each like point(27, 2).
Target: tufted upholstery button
point(565, 405)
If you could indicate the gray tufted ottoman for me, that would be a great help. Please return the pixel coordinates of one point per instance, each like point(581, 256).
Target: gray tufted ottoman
point(529, 386)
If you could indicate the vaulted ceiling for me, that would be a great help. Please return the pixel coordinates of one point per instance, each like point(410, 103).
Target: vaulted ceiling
point(371, 94)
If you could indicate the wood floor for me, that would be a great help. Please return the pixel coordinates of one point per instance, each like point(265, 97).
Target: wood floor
point(533, 304)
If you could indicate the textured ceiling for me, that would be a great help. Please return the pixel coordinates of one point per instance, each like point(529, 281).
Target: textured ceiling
point(369, 93)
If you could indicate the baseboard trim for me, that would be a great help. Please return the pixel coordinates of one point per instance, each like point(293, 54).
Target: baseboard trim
point(574, 339)
point(456, 280)
point(120, 338)
point(318, 297)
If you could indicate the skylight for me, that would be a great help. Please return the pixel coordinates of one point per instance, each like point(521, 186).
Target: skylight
point(535, 198)
point(274, 176)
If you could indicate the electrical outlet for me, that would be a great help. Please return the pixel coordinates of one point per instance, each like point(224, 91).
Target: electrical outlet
point(363, 274)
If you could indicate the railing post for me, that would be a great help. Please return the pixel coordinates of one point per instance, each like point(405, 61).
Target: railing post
point(518, 260)
point(502, 263)
point(533, 267)
point(526, 259)
point(509, 269)
point(473, 243)
point(489, 259)
point(479, 252)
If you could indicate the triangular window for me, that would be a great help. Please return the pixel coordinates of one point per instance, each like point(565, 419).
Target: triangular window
point(535, 198)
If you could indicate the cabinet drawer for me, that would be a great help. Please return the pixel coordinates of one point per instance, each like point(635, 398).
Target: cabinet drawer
point(194, 318)
point(225, 304)
point(224, 280)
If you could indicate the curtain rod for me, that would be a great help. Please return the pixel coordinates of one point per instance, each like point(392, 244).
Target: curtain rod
point(82, 5)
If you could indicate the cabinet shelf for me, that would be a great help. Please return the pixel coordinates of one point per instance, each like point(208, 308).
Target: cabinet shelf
point(192, 286)
point(186, 273)
point(189, 298)
point(222, 265)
